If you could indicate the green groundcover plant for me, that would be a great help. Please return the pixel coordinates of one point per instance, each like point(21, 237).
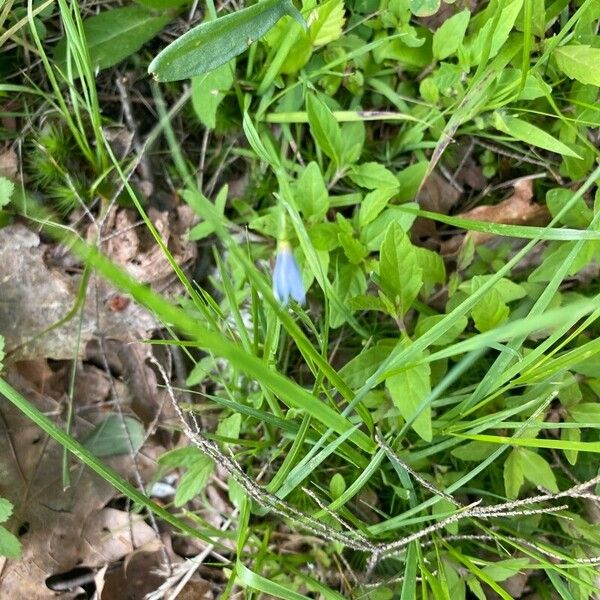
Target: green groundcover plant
point(405, 386)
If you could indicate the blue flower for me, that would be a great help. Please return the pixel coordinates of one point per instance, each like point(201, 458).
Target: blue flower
point(287, 280)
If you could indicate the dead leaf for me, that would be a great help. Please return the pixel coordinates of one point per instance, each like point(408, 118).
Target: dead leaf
point(9, 164)
point(134, 248)
point(60, 529)
point(518, 209)
point(435, 195)
point(34, 297)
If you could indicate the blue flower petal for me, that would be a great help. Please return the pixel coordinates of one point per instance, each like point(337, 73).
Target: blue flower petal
point(287, 279)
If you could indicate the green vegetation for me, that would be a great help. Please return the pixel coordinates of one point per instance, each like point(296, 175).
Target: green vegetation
point(367, 235)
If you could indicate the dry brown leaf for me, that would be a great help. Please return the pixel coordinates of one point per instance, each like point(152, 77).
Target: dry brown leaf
point(35, 297)
point(518, 209)
point(133, 247)
point(436, 195)
point(60, 529)
point(9, 164)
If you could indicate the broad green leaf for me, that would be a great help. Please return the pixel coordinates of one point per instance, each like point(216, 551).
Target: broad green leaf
point(424, 8)
point(10, 547)
point(310, 193)
point(555, 256)
point(473, 451)
point(503, 569)
point(537, 470)
point(513, 474)
point(408, 389)
point(230, 427)
point(353, 141)
point(194, 480)
point(354, 250)
point(115, 34)
point(208, 91)
point(586, 412)
point(373, 176)
point(7, 187)
point(114, 436)
point(337, 485)
point(361, 367)
point(530, 134)
point(6, 509)
point(350, 281)
point(180, 457)
point(328, 24)
point(432, 265)
point(579, 215)
point(410, 180)
point(324, 128)
point(372, 235)
point(214, 43)
point(399, 271)
point(508, 290)
point(449, 36)
point(491, 310)
point(372, 205)
point(571, 435)
point(509, 15)
point(426, 323)
point(579, 62)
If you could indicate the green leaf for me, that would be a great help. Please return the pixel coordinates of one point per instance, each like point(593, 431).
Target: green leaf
point(490, 311)
point(230, 427)
point(214, 43)
point(537, 470)
point(399, 272)
point(6, 509)
point(180, 457)
point(530, 134)
point(448, 38)
point(361, 367)
point(350, 281)
point(579, 62)
point(410, 180)
point(208, 91)
point(327, 27)
point(426, 323)
point(353, 141)
point(571, 435)
point(513, 474)
point(373, 176)
point(373, 203)
point(354, 250)
point(372, 235)
point(112, 436)
point(579, 215)
point(324, 128)
point(424, 8)
point(337, 485)
point(586, 412)
point(115, 34)
point(1, 351)
point(408, 389)
point(194, 480)
point(310, 193)
point(503, 569)
point(473, 451)
point(10, 547)
point(257, 582)
point(7, 187)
